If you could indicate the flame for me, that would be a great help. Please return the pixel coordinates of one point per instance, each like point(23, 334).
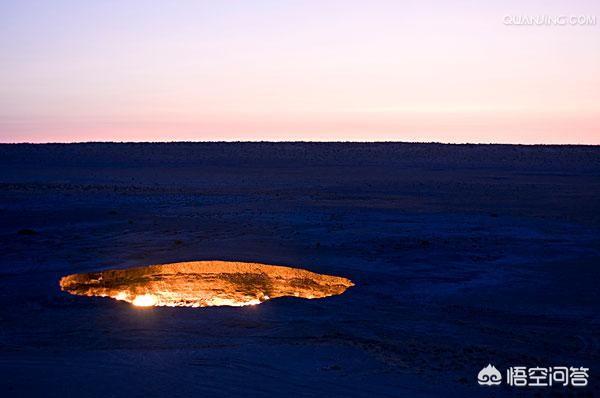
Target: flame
point(121, 296)
point(217, 301)
point(145, 300)
point(204, 284)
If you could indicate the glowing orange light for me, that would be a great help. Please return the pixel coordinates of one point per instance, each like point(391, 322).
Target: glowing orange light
point(204, 284)
point(145, 300)
point(121, 296)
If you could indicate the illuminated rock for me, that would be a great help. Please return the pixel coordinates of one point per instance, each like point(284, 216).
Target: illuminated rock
point(204, 284)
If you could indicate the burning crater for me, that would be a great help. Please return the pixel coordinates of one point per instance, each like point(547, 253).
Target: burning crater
point(204, 284)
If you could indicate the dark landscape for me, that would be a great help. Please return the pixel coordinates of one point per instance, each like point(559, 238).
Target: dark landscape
point(461, 255)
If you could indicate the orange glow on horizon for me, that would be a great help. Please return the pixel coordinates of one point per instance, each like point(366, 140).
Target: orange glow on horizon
point(424, 71)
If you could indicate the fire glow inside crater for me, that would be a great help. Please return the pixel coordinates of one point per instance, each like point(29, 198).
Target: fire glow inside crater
point(204, 284)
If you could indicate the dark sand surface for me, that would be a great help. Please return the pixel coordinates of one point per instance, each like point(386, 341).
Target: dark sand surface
point(461, 255)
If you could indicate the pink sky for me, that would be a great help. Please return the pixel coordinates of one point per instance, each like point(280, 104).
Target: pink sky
point(297, 70)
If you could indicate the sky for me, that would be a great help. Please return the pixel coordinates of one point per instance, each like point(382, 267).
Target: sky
point(227, 70)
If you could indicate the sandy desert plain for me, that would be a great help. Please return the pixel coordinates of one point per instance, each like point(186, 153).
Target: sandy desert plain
point(461, 255)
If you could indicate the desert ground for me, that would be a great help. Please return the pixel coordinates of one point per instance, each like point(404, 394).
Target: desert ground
point(461, 255)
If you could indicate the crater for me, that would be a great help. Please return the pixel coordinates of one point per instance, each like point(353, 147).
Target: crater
point(204, 284)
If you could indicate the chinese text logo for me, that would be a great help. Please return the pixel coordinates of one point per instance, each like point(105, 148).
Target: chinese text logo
point(522, 376)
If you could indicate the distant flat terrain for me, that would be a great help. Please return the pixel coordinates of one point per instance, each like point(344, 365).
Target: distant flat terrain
point(462, 255)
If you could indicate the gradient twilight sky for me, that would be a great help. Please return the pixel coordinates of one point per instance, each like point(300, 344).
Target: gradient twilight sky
point(448, 71)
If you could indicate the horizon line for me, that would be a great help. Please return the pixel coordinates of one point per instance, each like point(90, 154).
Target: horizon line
point(294, 142)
